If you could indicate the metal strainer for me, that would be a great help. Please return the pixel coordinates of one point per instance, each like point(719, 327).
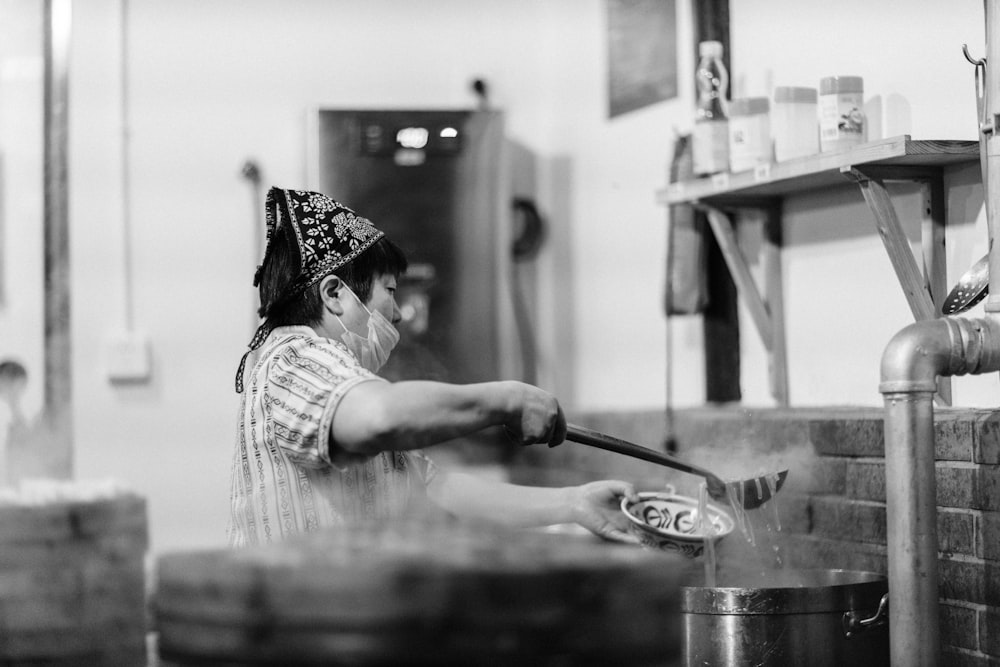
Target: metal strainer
point(971, 288)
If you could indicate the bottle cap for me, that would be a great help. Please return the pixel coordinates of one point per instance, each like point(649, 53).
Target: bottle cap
point(745, 106)
point(710, 48)
point(841, 84)
point(794, 94)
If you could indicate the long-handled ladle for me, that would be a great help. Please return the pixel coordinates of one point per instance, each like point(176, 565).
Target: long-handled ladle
point(751, 492)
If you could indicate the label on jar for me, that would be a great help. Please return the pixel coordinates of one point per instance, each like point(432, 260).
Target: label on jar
point(841, 121)
point(710, 147)
point(749, 141)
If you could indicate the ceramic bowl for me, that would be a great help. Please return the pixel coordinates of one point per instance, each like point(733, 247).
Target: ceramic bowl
point(669, 522)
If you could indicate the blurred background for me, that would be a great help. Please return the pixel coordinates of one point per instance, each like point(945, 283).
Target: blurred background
point(181, 114)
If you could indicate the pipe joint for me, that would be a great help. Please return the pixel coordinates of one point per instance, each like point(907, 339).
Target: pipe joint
point(924, 350)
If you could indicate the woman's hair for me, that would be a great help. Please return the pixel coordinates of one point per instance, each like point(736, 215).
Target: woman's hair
point(281, 269)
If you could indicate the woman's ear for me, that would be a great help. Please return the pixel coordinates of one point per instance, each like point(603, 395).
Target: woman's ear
point(331, 290)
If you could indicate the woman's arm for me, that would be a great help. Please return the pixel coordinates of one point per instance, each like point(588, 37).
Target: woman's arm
point(378, 416)
point(594, 505)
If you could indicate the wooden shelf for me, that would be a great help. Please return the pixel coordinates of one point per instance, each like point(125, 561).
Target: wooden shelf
point(868, 167)
point(816, 171)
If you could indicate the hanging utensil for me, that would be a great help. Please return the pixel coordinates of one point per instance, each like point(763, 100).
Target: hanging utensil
point(974, 284)
point(984, 125)
point(970, 289)
point(751, 493)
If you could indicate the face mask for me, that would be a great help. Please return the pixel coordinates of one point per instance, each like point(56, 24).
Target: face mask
point(373, 351)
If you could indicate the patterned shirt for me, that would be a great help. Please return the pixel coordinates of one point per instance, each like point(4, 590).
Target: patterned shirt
point(288, 474)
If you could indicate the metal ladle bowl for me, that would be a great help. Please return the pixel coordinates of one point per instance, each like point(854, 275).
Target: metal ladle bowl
point(747, 493)
point(971, 288)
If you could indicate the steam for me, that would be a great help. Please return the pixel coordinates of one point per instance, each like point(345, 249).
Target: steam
point(43, 450)
point(762, 545)
point(34, 492)
point(744, 460)
point(30, 448)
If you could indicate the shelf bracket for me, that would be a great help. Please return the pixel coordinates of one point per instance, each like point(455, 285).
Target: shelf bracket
point(925, 289)
point(767, 312)
point(895, 241)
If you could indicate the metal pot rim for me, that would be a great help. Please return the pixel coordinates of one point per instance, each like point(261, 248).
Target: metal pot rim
point(833, 591)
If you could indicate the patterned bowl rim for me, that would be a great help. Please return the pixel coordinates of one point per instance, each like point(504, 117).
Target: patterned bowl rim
point(670, 496)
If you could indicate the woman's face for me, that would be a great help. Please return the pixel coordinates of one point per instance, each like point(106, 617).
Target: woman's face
point(383, 300)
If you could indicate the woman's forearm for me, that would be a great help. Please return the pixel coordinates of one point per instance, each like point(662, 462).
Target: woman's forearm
point(377, 416)
point(499, 502)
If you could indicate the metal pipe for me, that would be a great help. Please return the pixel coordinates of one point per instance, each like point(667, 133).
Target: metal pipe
point(58, 357)
point(911, 364)
point(991, 133)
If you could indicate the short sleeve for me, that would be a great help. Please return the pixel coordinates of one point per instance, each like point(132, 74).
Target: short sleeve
point(306, 380)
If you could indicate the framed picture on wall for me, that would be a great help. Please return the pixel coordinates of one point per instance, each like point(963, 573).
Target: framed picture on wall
point(642, 54)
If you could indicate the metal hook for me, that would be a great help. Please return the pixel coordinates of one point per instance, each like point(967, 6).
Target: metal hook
point(978, 63)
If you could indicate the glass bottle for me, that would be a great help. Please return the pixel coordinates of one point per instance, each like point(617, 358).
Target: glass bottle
point(710, 140)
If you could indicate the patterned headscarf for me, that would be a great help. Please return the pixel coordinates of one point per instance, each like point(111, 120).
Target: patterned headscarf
point(329, 235)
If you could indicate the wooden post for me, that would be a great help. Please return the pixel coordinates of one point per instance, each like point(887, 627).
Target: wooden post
point(935, 260)
point(720, 323)
point(774, 295)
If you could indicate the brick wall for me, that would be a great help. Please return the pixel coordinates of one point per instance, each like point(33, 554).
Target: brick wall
point(832, 507)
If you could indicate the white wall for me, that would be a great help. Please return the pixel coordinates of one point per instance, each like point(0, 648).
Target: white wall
point(21, 285)
point(213, 83)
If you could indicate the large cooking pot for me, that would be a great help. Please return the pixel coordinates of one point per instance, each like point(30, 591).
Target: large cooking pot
point(72, 583)
point(434, 594)
point(816, 618)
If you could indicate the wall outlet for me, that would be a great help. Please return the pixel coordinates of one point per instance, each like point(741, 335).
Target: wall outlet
point(128, 357)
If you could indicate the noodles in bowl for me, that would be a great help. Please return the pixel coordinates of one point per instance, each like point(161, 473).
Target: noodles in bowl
point(670, 522)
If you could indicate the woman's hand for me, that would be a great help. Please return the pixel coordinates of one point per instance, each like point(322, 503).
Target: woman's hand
point(597, 507)
point(535, 416)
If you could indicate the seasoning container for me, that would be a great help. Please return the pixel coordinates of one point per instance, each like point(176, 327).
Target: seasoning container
point(794, 124)
point(841, 112)
point(749, 133)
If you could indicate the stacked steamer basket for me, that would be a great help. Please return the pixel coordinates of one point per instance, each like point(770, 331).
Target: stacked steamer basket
point(71, 575)
point(420, 594)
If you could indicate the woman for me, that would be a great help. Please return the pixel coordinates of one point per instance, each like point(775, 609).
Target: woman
point(322, 440)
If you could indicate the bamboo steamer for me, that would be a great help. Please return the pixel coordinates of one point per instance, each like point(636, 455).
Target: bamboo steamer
point(420, 594)
point(72, 588)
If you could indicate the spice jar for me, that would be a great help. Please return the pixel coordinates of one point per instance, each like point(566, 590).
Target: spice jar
point(749, 133)
point(841, 112)
point(794, 123)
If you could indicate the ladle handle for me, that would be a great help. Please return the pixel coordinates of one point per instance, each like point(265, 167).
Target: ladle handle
point(585, 436)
